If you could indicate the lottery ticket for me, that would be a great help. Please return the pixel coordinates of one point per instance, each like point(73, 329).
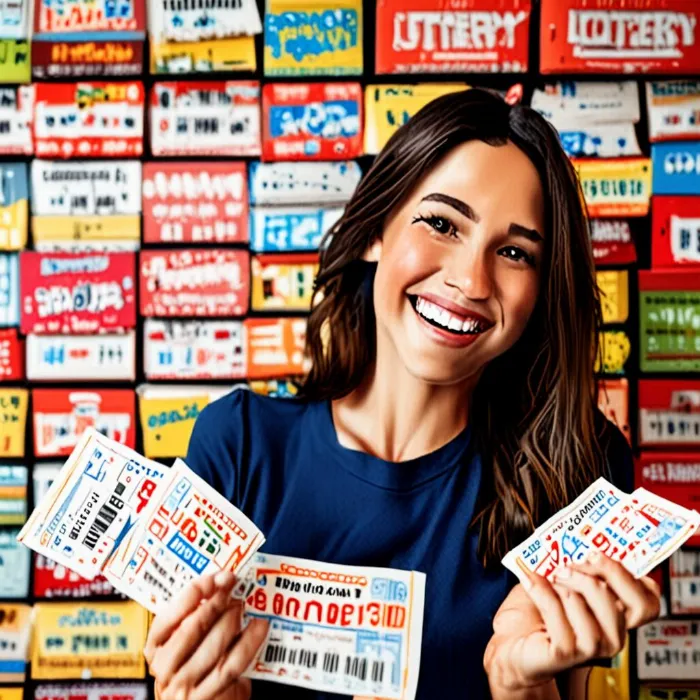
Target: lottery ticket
point(189, 530)
point(147, 528)
point(97, 498)
point(638, 530)
point(338, 629)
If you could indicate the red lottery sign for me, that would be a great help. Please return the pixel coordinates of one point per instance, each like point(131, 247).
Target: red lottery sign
point(11, 355)
point(439, 36)
point(194, 282)
point(74, 293)
point(195, 202)
point(312, 121)
point(675, 231)
point(89, 120)
point(658, 36)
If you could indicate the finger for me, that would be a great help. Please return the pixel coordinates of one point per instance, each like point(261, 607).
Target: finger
point(640, 597)
point(582, 620)
point(191, 631)
point(602, 603)
point(211, 649)
point(539, 658)
point(230, 667)
point(165, 623)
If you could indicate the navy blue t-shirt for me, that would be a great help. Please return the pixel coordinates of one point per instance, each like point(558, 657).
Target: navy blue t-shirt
point(280, 462)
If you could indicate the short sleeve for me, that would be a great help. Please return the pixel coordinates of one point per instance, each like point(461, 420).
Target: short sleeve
point(216, 443)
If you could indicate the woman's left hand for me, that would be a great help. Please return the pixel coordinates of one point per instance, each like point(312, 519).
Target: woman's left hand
point(582, 615)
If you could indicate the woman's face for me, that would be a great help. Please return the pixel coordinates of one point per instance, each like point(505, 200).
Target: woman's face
point(459, 263)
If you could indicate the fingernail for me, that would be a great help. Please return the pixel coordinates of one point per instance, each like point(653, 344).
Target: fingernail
point(224, 578)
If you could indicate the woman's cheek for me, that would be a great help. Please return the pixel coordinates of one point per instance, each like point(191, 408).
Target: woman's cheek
point(519, 297)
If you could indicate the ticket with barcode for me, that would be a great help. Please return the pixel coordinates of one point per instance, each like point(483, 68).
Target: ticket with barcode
point(338, 629)
point(147, 528)
point(640, 530)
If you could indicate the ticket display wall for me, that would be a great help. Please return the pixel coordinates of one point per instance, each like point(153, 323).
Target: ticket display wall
point(200, 168)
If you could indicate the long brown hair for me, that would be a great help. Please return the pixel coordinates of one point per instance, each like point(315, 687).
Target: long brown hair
point(533, 413)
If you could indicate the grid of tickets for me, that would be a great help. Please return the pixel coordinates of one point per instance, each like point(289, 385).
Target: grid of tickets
point(640, 530)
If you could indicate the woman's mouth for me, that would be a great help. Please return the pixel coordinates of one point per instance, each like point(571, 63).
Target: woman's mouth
point(461, 329)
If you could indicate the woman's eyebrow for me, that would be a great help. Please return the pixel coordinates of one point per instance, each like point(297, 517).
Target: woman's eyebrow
point(462, 207)
point(530, 233)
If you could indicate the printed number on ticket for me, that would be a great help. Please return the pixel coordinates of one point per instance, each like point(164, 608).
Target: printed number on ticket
point(338, 629)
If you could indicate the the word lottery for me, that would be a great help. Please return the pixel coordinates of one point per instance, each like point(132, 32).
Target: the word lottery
point(640, 530)
point(150, 530)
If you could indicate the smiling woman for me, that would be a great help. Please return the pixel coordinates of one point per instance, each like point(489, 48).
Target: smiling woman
point(450, 408)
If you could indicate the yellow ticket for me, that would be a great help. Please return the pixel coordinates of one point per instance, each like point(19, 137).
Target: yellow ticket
point(15, 635)
point(89, 640)
point(13, 420)
point(283, 282)
point(313, 37)
point(616, 186)
point(614, 288)
point(231, 54)
point(65, 229)
point(387, 107)
point(615, 349)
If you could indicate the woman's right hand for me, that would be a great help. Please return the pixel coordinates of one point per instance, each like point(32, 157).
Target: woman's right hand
point(195, 649)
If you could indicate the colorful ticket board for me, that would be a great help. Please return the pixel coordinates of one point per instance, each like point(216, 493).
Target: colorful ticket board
point(14, 206)
point(615, 187)
point(168, 414)
point(312, 121)
point(283, 281)
point(675, 231)
point(61, 416)
point(387, 107)
point(89, 640)
point(313, 37)
point(11, 355)
point(669, 413)
point(429, 36)
point(194, 282)
point(214, 118)
point(660, 36)
point(77, 293)
point(194, 349)
point(13, 421)
point(669, 321)
point(16, 120)
point(676, 167)
point(89, 120)
point(275, 347)
point(196, 202)
point(15, 636)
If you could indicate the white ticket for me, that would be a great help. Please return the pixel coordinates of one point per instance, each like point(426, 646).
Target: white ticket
point(339, 629)
point(147, 528)
point(640, 530)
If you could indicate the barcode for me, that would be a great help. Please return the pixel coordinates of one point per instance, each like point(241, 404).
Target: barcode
point(331, 661)
point(279, 654)
point(104, 518)
point(377, 671)
point(356, 667)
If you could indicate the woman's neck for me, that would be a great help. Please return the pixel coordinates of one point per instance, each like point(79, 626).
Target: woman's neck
point(396, 416)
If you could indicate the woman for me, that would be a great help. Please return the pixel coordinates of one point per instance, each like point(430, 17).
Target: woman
point(450, 409)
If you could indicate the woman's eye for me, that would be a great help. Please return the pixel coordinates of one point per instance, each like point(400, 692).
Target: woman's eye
point(518, 254)
point(442, 225)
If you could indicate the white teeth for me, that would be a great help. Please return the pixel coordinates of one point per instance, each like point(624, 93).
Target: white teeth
point(436, 313)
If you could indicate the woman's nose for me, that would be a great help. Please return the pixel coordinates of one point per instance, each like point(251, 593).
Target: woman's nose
point(472, 275)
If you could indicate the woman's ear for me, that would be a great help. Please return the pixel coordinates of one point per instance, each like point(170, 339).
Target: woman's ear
point(374, 251)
